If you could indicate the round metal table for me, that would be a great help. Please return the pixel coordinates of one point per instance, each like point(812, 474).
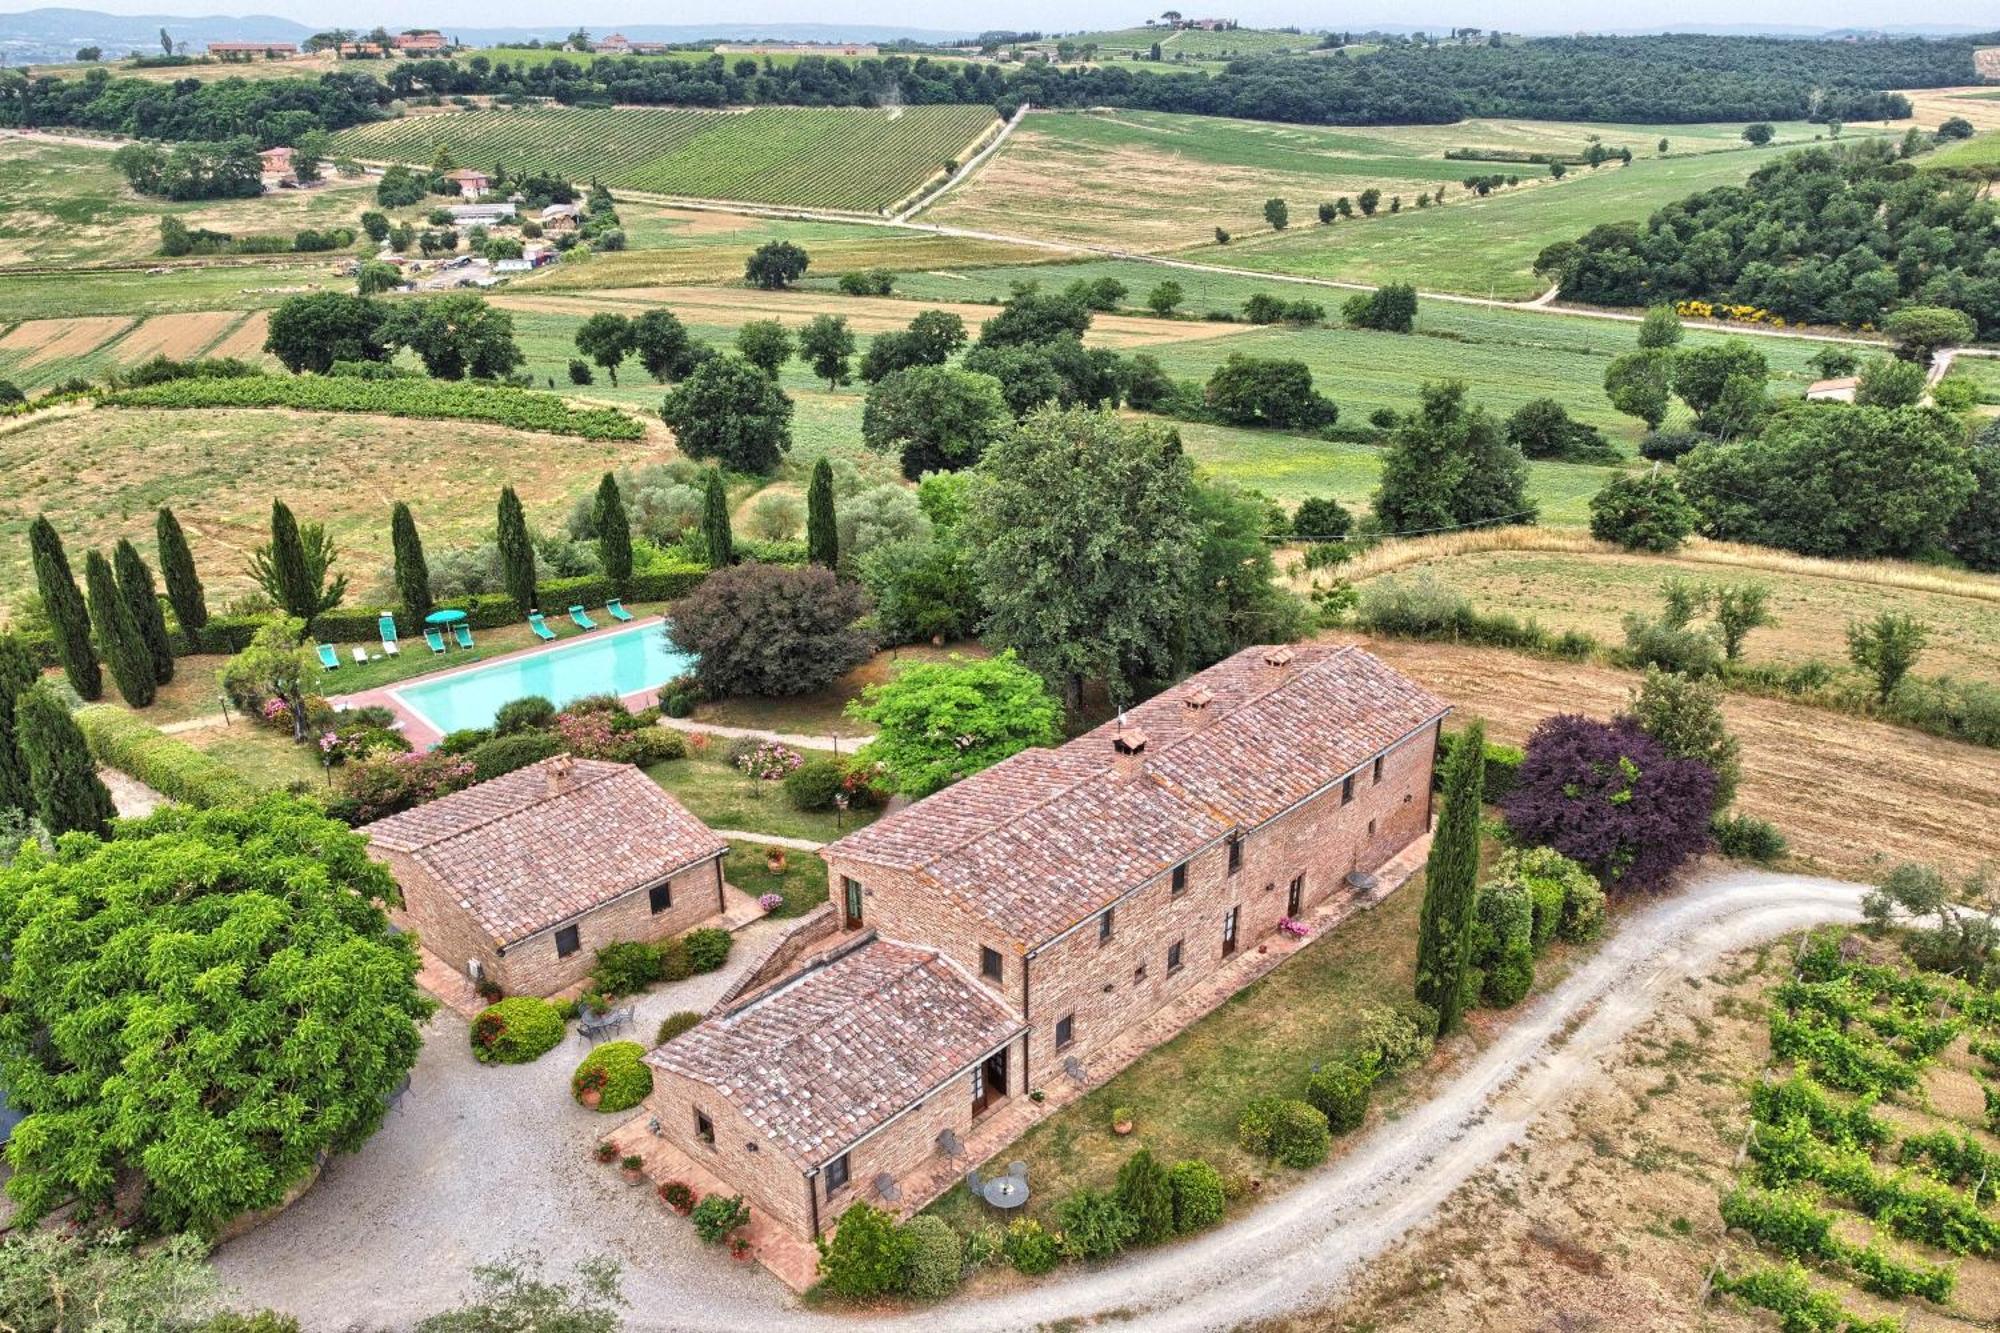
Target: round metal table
point(1005, 1191)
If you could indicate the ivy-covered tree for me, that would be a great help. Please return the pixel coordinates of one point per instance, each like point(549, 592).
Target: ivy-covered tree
point(118, 634)
point(937, 722)
point(135, 584)
point(61, 773)
point(822, 532)
point(614, 533)
point(1451, 881)
point(17, 676)
point(413, 571)
point(716, 536)
point(517, 552)
point(177, 568)
point(217, 1109)
point(68, 614)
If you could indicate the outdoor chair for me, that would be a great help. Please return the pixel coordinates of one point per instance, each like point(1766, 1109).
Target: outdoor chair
point(328, 658)
point(582, 621)
point(386, 626)
point(973, 1183)
point(461, 634)
point(1018, 1170)
point(360, 653)
point(616, 610)
point(540, 626)
point(434, 639)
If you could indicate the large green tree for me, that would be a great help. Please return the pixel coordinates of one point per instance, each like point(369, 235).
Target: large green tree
point(247, 1019)
point(66, 609)
point(663, 346)
point(177, 568)
point(614, 533)
point(765, 345)
point(517, 551)
point(458, 336)
point(1080, 530)
point(1451, 879)
point(310, 333)
point(17, 676)
point(937, 418)
point(937, 722)
point(827, 345)
point(135, 584)
point(1451, 466)
point(1233, 598)
point(413, 571)
point(822, 532)
point(716, 536)
point(61, 774)
point(1639, 383)
point(606, 338)
point(730, 411)
point(118, 634)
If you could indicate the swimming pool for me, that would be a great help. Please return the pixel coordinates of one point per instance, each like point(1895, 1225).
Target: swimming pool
point(621, 662)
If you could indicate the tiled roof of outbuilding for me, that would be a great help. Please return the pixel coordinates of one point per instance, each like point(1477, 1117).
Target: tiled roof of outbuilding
point(1047, 838)
point(530, 849)
point(837, 1049)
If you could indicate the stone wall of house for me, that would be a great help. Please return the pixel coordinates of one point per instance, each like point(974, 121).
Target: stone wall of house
point(768, 1180)
point(793, 939)
point(531, 966)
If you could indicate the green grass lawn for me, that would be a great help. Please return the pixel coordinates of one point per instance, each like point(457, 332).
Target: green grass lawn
point(266, 757)
point(722, 797)
point(802, 883)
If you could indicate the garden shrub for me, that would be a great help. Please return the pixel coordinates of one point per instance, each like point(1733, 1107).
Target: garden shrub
point(707, 947)
point(1198, 1195)
point(619, 1069)
point(1545, 897)
point(464, 740)
point(1092, 1225)
point(1503, 763)
point(1503, 942)
point(529, 713)
point(1030, 1247)
point(625, 968)
point(674, 1024)
point(1147, 1198)
point(1286, 1130)
point(867, 1255)
point(1391, 1037)
point(814, 784)
point(716, 1216)
point(933, 1258)
point(504, 754)
point(654, 745)
point(1747, 838)
point(516, 1030)
point(1340, 1093)
point(674, 962)
point(984, 1245)
point(173, 767)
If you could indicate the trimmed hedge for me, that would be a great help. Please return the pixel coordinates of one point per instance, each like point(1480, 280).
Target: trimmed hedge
point(520, 409)
point(1198, 1195)
point(173, 768)
point(618, 1069)
point(494, 610)
point(707, 947)
point(516, 1030)
point(1503, 765)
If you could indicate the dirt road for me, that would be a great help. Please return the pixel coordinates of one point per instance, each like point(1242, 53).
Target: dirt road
point(1294, 1253)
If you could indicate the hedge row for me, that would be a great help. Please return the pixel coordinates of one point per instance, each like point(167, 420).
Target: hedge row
point(519, 409)
point(172, 767)
point(494, 609)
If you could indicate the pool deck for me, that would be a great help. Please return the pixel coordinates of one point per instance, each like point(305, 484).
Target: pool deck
point(422, 734)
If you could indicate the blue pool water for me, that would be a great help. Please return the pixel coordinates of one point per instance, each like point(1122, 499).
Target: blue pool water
point(618, 662)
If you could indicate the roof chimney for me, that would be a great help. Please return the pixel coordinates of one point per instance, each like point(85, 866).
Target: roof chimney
point(1279, 656)
point(559, 770)
point(1128, 744)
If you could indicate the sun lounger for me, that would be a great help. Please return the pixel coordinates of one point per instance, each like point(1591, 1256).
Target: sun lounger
point(328, 658)
point(360, 653)
point(461, 633)
point(540, 626)
point(434, 639)
point(582, 621)
point(616, 610)
point(386, 626)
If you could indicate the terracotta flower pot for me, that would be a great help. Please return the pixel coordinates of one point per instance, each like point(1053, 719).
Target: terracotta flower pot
point(1122, 1128)
point(775, 859)
point(591, 1097)
point(632, 1176)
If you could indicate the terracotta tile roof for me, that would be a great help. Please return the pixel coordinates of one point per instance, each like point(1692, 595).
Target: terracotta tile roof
point(834, 1051)
point(529, 850)
point(1040, 842)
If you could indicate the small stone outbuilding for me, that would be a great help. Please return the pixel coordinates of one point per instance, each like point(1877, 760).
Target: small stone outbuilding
point(521, 880)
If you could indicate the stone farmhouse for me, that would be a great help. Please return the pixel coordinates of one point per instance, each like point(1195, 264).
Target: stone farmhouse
point(1002, 934)
point(521, 879)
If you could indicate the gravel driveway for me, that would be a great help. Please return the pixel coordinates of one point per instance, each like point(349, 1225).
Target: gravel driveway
point(481, 1160)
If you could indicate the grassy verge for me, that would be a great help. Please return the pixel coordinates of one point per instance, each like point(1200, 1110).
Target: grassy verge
point(724, 798)
point(802, 883)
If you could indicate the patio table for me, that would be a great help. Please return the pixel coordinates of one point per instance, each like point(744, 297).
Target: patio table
point(450, 615)
point(1005, 1191)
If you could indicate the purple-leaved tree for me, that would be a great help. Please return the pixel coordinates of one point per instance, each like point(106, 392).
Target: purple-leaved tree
point(1606, 795)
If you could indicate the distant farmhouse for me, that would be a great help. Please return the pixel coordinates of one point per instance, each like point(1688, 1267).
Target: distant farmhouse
point(618, 44)
point(796, 49)
point(1179, 24)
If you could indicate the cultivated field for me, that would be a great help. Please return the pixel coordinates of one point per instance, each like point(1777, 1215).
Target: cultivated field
point(821, 157)
point(99, 475)
point(1160, 181)
point(37, 353)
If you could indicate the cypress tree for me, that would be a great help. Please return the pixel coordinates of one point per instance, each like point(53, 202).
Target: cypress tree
point(296, 592)
point(1451, 877)
point(614, 533)
point(118, 633)
point(517, 552)
point(135, 585)
point(413, 572)
point(17, 677)
point(177, 568)
point(715, 523)
point(61, 773)
point(822, 538)
point(66, 609)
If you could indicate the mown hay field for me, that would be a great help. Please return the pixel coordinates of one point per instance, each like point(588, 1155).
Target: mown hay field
point(849, 158)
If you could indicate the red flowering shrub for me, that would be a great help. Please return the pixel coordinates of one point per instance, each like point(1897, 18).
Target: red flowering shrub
point(1606, 795)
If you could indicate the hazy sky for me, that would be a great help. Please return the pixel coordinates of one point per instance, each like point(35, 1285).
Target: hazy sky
point(1070, 15)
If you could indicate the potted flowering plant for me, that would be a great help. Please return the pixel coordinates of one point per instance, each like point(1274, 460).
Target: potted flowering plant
point(771, 902)
point(677, 1196)
point(605, 1152)
point(631, 1166)
point(739, 1247)
point(1297, 930)
point(1121, 1120)
point(774, 858)
point(588, 1085)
